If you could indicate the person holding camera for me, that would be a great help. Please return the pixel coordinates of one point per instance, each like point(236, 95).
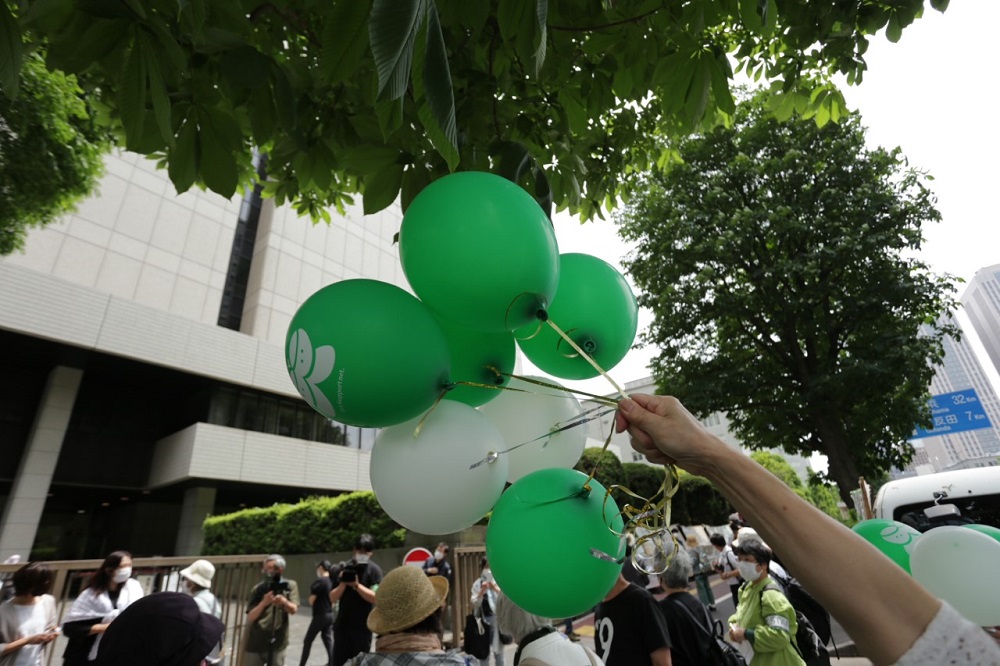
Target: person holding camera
point(271, 602)
point(358, 580)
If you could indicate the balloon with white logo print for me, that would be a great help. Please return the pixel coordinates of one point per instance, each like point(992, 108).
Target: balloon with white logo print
point(366, 353)
point(895, 540)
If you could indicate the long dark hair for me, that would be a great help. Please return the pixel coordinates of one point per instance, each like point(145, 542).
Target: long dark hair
point(101, 580)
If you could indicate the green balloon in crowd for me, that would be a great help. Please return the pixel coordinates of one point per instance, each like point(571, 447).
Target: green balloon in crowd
point(479, 251)
point(596, 308)
point(542, 538)
point(366, 353)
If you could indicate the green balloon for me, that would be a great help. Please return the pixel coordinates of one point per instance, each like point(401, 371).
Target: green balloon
point(540, 538)
point(988, 530)
point(895, 540)
point(366, 353)
point(595, 306)
point(479, 251)
point(472, 354)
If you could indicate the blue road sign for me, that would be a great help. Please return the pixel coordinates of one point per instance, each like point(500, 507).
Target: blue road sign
point(955, 412)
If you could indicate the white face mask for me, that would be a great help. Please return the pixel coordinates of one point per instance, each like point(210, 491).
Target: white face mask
point(748, 570)
point(488, 575)
point(438, 555)
point(361, 558)
point(122, 575)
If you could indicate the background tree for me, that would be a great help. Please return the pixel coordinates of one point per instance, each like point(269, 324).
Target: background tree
point(777, 259)
point(50, 151)
point(609, 467)
point(383, 96)
point(815, 491)
point(642, 479)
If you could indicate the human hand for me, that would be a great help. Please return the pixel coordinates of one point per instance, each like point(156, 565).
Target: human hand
point(665, 432)
point(432, 570)
point(737, 634)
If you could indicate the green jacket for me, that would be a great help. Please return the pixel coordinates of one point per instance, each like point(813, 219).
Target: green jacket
point(770, 623)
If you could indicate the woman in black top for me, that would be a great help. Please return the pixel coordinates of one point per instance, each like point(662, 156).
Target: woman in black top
point(322, 613)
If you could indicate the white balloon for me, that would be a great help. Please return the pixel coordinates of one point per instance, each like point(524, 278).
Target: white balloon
point(950, 561)
point(425, 482)
point(523, 417)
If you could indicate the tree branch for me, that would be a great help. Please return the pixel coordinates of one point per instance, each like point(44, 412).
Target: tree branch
point(594, 28)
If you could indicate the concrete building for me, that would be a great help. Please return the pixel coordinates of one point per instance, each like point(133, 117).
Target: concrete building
point(962, 370)
point(144, 384)
point(981, 301)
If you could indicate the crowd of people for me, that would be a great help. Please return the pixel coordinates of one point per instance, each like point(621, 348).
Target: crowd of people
point(113, 622)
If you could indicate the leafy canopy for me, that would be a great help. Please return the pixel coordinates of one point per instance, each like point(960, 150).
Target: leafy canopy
point(382, 96)
point(778, 262)
point(50, 151)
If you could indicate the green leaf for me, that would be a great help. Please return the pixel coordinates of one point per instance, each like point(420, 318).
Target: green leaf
point(894, 30)
point(157, 89)
point(392, 30)
point(284, 98)
point(11, 52)
point(439, 140)
point(345, 40)
point(510, 17)
point(542, 14)
point(218, 168)
point(939, 5)
point(437, 85)
point(369, 158)
point(415, 179)
point(749, 12)
point(390, 115)
point(262, 115)
point(223, 126)
point(245, 67)
point(132, 95)
point(184, 157)
point(48, 16)
point(382, 188)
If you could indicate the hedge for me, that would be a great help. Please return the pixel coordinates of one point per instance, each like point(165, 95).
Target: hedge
point(314, 525)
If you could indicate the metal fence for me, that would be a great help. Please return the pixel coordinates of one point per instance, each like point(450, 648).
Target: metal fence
point(234, 575)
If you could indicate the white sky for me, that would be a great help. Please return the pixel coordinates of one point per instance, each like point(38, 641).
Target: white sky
point(934, 95)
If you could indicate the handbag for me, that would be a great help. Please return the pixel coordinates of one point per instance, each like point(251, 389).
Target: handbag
point(476, 637)
point(720, 652)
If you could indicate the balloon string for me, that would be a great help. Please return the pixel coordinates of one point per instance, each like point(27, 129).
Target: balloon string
point(585, 355)
point(572, 424)
point(603, 399)
point(416, 431)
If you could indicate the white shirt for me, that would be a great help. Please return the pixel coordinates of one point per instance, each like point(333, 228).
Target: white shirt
point(19, 621)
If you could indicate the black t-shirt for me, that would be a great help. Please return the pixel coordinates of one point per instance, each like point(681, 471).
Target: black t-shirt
point(354, 610)
point(690, 642)
point(629, 628)
point(321, 588)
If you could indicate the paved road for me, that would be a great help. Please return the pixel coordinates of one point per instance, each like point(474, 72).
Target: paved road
point(584, 626)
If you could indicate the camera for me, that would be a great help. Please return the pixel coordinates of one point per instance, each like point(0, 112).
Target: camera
point(278, 586)
point(348, 572)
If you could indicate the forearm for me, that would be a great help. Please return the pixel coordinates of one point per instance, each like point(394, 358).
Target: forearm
point(896, 609)
point(365, 593)
point(254, 614)
point(661, 657)
point(337, 592)
point(13, 646)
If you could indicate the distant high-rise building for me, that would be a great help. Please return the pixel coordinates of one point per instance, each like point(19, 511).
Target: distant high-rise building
point(981, 301)
point(959, 371)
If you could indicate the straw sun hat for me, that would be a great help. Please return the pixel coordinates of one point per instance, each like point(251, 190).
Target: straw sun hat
point(405, 597)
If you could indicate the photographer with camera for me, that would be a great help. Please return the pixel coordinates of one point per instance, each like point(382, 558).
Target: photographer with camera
point(357, 582)
point(271, 602)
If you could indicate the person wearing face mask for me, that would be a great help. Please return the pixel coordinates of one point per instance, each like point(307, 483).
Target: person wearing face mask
point(272, 601)
point(322, 613)
point(764, 618)
point(108, 592)
point(440, 566)
point(196, 581)
point(356, 586)
point(484, 604)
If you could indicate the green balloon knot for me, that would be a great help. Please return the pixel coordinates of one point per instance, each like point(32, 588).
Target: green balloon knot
point(542, 314)
point(589, 346)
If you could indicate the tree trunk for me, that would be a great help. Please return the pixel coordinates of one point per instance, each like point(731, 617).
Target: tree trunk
point(842, 468)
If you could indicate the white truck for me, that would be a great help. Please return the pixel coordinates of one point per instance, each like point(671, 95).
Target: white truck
point(945, 498)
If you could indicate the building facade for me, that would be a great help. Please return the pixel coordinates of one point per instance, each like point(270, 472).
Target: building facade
point(981, 302)
point(961, 370)
point(144, 383)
